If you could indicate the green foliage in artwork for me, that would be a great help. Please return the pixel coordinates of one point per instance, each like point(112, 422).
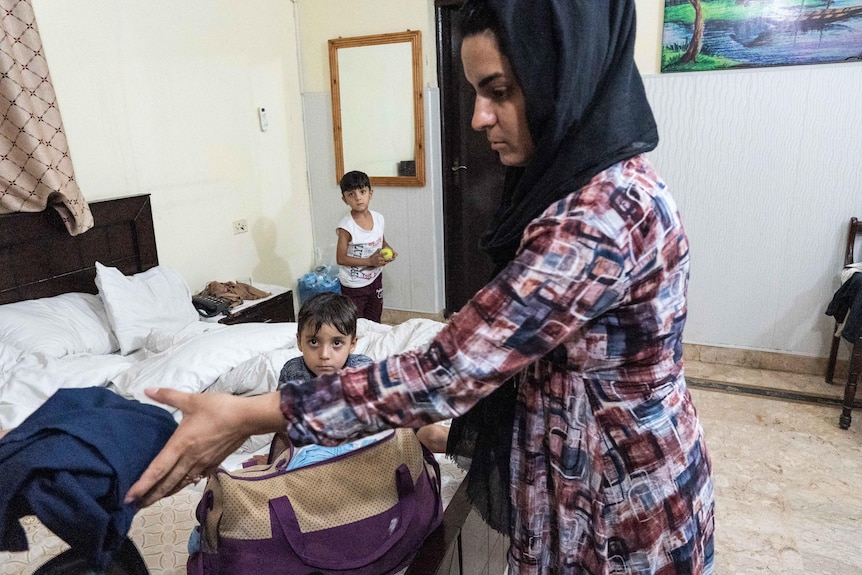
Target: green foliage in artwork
point(720, 10)
point(670, 62)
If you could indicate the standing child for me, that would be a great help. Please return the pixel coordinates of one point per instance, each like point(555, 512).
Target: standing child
point(362, 250)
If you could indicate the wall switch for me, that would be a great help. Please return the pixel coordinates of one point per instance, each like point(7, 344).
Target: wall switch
point(261, 115)
point(240, 226)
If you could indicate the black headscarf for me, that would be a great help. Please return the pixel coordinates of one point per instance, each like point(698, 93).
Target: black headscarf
point(586, 111)
point(586, 105)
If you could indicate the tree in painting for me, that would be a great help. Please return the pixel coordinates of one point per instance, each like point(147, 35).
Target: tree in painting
point(697, 35)
point(716, 34)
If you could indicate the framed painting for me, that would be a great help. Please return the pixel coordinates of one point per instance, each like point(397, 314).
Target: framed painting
point(721, 34)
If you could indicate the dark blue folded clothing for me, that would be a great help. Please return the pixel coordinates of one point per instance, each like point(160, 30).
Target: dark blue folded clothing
point(71, 462)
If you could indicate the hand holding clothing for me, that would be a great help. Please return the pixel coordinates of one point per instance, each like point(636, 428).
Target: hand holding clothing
point(214, 425)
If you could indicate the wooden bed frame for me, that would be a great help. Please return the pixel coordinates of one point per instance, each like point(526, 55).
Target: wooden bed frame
point(39, 258)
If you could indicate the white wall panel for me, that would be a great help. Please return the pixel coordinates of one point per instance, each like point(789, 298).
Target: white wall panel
point(413, 216)
point(765, 165)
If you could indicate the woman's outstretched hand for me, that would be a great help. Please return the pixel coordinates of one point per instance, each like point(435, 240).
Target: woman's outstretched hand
point(214, 425)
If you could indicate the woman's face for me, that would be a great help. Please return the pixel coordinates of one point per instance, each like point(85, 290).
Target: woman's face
point(500, 109)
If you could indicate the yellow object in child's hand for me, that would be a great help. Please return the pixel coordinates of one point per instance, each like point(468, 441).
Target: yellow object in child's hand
point(386, 253)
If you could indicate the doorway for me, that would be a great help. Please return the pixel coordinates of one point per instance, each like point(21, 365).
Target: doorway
point(472, 173)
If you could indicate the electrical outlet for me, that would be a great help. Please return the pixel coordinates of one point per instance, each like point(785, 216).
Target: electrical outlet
point(240, 226)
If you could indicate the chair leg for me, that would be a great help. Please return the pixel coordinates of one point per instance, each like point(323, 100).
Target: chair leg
point(853, 370)
point(833, 357)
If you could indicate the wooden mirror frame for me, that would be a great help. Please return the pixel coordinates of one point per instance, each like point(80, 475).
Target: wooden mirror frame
point(415, 38)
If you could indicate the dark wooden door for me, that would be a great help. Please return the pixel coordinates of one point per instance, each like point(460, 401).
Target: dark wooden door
point(472, 173)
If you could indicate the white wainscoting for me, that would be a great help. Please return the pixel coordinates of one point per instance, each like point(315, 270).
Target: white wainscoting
point(766, 165)
point(414, 216)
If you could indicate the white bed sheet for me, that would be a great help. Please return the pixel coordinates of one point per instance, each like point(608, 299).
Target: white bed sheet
point(33, 378)
point(243, 359)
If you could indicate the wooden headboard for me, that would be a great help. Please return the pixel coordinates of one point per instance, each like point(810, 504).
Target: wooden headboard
point(38, 257)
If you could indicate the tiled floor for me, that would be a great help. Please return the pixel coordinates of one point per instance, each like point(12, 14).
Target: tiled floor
point(792, 382)
point(788, 480)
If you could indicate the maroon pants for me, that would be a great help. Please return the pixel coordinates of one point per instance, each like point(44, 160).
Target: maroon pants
point(368, 299)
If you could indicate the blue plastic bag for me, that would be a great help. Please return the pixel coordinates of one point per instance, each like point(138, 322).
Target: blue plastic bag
point(318, 281)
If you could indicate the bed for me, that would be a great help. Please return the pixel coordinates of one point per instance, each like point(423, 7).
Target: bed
point(98, 309)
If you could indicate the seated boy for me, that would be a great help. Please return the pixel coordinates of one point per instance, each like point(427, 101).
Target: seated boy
point(326, 336)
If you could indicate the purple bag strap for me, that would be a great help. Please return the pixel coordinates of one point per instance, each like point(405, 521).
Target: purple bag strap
point(282, 510)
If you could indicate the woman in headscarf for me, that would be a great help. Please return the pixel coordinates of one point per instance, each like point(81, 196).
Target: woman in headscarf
point(595, 461)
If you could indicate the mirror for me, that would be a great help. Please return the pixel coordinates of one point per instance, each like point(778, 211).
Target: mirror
point(377, 108)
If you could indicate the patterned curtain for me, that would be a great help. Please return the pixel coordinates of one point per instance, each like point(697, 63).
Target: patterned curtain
point(35, 166)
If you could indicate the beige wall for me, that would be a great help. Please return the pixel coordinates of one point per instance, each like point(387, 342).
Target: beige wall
point(648, 43)
point(161, 97)
point(359, 18)
point(321, 20)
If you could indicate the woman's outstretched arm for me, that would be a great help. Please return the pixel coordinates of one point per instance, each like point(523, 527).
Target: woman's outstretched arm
point(214, 425)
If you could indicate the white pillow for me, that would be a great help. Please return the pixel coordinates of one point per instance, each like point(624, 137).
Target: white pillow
point(197, 363)
point(158, 298)
point(58, 326)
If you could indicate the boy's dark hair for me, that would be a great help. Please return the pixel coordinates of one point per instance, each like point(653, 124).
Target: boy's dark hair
point(328, 308)
point(354, 180)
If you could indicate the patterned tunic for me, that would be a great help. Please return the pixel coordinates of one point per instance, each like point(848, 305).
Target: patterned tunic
point(609, 471)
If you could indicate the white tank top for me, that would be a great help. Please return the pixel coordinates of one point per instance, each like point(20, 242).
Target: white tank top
point(362, 244)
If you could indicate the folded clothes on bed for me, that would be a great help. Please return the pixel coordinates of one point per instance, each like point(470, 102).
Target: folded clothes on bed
point(234, 292)
point(71, 462)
